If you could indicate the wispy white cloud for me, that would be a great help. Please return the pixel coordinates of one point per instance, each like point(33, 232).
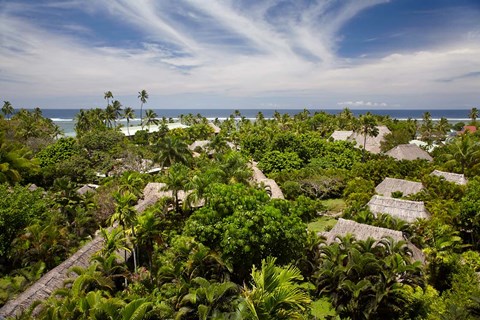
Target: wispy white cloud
point(293, 54)
point(362, 103)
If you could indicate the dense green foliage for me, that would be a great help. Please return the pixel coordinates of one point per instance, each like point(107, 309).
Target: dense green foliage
point(215, 245)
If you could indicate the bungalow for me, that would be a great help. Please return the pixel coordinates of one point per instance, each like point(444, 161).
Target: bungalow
point(451, 177)
point(408, 152)
point(406, 210)
point(364, 231)
point(372, 144)
point(390, 185)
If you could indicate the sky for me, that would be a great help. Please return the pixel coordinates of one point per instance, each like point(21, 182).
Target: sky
point(330, 54)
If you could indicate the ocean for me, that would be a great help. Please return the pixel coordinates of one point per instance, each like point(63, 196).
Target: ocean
point(65, 117)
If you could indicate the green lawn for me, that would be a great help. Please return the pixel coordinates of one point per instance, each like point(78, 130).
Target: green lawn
point(334, 205)
point(321, 224)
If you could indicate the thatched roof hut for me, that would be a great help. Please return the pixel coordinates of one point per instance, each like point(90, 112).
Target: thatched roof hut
point(272, 188)
point(87, 188)
point(257, 173)
point(202, 144)
point(54, 279)
point(373, 143)
point(389, 185)
point(402, 209)
point(408, 152)
point(216, 129)
point(270, 185)
point(341, 135)
point(364, 231)
point(154, 191)
point(451, 177)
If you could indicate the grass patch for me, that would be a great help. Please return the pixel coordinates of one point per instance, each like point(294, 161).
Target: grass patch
point(334, 205)
point(321, 224)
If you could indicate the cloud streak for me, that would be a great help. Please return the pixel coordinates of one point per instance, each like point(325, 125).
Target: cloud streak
point(225, 49)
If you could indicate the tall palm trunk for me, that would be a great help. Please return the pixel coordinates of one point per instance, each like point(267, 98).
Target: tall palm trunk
point(141, 115)
point(364, 145)
point(134, 248)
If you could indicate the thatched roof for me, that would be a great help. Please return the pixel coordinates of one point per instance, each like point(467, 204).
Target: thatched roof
point(402, 209)
point(131, 164)
point(424, 145)
point(373, 143)
point(257, 173)
point(389, 185)
point(341, 135)
point(153, 192)
point(198, 144)
point(87, 188)
point(271, 186)
point(452, 177)
point(408, 152)
point(53, 280)
point(214, 127)
point(364, 231)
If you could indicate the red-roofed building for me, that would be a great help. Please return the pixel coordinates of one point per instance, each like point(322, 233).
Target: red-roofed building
point(471, 129)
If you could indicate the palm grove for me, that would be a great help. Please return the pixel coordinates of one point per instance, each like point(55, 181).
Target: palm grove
point(218, 246)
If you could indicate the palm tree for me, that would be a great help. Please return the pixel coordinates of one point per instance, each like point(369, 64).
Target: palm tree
point(275, 293)
point(37, 113)
point(367, 127)
point(110, 116)
point(7, 108)
point(175, 180)
point(125, 215)
point(116, 110)
point(442, 128)
point(82, 122)
point(143, 96)
point(365, 279)
point(150, 118)
point(346, 119)
point(427, 129)
point(13, 161)
point(235, 168)
point(172, 149)
point(107, 96)
point(211, 300)
point(473, 115)
point(128, 113)
point(463, 154)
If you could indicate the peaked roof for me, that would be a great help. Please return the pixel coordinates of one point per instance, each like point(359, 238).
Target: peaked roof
point(153, 192)
point(373, 143)
point(471, 129)
point(364, 231)
point(271, 186)
point(408, 152)
point(452, 177)
point(87, 188)
point(402, 209)
point(341, 135)
point(215, 128)
point(389, 185)
point(198, 143)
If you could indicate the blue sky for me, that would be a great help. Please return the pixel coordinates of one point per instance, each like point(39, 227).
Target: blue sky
point(241, 54)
